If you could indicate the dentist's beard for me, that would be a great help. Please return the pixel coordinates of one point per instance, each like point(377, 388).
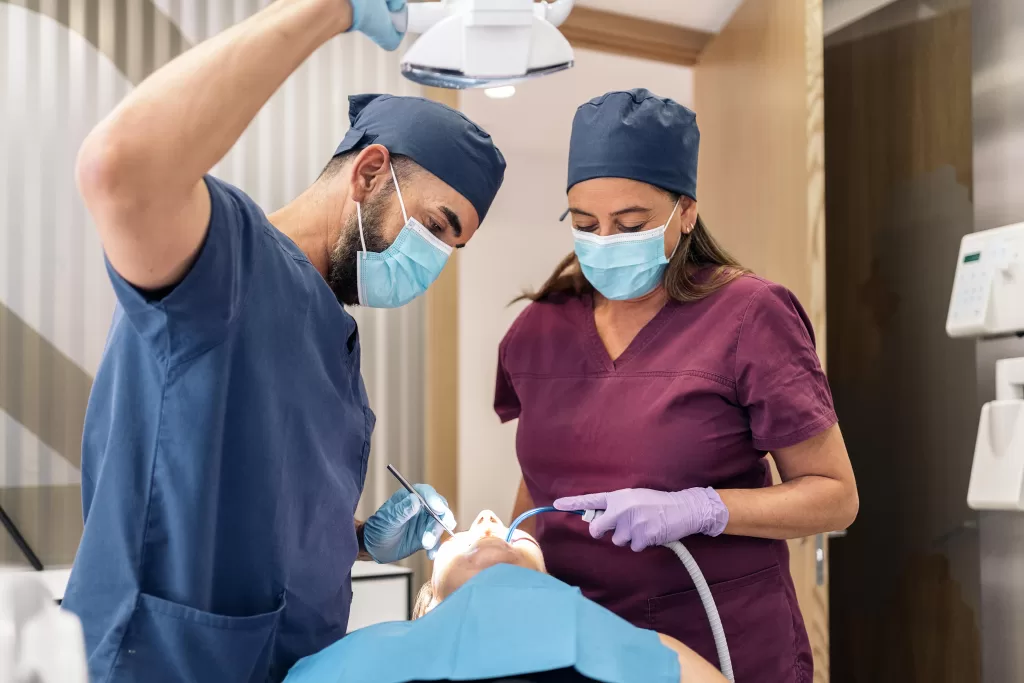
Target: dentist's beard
point(341, 275)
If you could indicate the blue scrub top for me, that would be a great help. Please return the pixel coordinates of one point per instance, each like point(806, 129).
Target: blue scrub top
point(224, 453)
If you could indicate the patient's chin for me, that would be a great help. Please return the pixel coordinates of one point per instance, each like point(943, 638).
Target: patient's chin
point(484, 555)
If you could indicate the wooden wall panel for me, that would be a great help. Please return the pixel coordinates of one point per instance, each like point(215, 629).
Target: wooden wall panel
point(758, 96)
point(622, 34)
point(899, 178)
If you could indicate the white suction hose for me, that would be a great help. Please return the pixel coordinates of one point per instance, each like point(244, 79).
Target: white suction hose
point(724, 660)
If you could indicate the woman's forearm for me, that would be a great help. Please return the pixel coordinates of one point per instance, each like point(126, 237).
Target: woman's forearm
point(800, 507)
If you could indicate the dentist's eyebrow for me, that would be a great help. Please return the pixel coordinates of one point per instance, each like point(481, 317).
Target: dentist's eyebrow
point(453, 222)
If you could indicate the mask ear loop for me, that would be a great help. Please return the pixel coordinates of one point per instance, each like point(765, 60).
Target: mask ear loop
point(678, 241)
point(401, 202)
point(359, 217)
point(362, 256)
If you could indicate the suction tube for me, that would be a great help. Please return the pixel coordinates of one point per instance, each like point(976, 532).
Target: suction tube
point(703, 590)
point(530, 513)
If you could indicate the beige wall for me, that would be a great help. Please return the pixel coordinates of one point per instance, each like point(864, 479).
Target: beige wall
point(759, 87)
point(519, 245)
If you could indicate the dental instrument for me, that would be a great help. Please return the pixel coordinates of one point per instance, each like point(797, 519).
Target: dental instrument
point(423, 501)
point(699, 582)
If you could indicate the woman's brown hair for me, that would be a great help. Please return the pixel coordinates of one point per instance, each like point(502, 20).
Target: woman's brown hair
point(697, 253)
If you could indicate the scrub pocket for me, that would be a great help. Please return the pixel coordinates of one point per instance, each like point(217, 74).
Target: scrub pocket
point(167, 643)
point(757, 619)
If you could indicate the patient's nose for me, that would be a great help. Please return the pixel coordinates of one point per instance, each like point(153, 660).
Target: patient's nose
point(487, 522)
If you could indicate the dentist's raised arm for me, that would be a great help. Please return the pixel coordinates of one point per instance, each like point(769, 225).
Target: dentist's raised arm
point(141, 170)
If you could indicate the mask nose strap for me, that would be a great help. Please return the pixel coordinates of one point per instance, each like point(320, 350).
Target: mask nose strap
point(401, 202)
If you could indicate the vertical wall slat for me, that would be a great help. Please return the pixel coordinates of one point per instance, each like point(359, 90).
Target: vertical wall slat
point(74, 60)
point(6, 250)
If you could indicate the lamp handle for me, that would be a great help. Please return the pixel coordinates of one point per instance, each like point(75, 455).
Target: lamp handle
point(554, 12)
point(419, 17)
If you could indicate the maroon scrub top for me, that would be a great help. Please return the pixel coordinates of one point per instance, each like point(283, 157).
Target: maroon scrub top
point(698, 398)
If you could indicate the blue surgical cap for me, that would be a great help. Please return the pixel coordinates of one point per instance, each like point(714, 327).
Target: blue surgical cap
point(440, 139)
point(637, 135)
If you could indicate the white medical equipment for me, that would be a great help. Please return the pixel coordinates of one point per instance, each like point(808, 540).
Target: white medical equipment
point(39, 642)
point(987, 302)
point(988, 289)
point(699, 582)
point(484, 43)
point(380, 593)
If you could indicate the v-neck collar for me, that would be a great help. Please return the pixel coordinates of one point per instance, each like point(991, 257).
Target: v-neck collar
point(643, 338)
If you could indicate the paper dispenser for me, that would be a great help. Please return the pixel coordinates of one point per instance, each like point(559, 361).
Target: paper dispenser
point(997, 474)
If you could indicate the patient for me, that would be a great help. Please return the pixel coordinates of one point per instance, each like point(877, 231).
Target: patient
point(466, 554)
point(491, 612)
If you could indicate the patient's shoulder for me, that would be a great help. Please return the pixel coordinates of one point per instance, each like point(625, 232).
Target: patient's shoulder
point(692, 667)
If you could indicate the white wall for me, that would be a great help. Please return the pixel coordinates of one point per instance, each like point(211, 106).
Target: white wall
point(520, 243)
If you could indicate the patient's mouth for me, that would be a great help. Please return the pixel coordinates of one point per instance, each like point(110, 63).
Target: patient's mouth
point(491, 548)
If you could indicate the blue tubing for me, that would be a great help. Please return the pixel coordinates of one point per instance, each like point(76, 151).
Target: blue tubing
point(535, 511)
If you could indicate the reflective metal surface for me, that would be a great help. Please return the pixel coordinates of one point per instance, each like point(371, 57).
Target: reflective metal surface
point(457, 80)
point(998, 112)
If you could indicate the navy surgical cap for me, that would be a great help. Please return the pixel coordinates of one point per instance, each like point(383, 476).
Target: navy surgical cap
point(438, 138)
point(637, 135)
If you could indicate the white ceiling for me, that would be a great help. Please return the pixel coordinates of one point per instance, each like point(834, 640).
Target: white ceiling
point(704, 15)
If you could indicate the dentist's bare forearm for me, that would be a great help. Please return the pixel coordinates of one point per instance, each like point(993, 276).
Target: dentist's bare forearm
point(184, 118)
point(140, 170)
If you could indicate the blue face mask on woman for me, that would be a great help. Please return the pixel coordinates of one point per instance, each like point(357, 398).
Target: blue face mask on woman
point(403, 271)
point(627, 265)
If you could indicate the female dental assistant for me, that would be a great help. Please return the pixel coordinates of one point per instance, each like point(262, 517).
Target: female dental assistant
point(653, 374)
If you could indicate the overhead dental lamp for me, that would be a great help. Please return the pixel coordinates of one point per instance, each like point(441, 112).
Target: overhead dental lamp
point(484, 43)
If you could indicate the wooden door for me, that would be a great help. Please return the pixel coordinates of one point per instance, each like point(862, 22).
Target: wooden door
point(758, 94)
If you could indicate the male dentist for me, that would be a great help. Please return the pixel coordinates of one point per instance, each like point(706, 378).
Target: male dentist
point(228, 429)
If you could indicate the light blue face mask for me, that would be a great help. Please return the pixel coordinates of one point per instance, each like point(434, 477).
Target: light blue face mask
point(403, 271)
point(627, 265)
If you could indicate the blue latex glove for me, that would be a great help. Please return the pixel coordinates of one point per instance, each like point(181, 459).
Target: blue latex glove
point(401, 527)
point(641, 518)
point(373, 19)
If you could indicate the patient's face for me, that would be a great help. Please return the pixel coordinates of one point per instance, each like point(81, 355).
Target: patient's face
point(483, 545)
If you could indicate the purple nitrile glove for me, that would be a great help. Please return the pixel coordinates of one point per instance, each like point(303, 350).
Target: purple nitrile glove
point(641, 518)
